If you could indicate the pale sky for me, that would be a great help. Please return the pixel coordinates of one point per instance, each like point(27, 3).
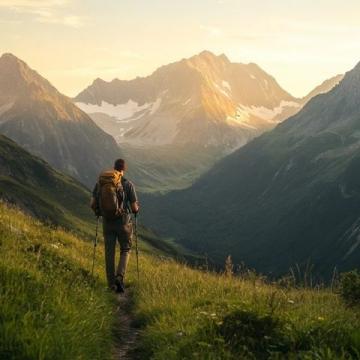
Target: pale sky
point(72, 42)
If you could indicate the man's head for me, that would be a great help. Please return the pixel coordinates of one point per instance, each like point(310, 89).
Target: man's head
point(120, 165)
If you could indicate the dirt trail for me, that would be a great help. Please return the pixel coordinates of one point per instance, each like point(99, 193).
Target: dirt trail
point(126, 333)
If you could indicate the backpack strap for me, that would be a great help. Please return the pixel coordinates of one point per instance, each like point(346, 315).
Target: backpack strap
point(125, 198)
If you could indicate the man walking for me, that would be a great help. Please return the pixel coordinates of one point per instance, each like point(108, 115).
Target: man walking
point(114, 198)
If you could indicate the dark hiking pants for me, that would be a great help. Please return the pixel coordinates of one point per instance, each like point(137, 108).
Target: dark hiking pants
point(115, 231)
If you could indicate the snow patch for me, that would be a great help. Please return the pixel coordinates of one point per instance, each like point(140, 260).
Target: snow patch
point(245, 113)
point(269, 114)
point(120, 111)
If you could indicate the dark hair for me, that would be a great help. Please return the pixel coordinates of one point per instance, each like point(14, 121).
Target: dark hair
point(119, 165)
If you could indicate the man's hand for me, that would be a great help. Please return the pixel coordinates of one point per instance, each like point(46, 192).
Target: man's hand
point(94, 207)
point(135, 207)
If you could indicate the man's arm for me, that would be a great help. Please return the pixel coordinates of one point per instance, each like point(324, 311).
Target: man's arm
point(133, 199)
point(94, 201)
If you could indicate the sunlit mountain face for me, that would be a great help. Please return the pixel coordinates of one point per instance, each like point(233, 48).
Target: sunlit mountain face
point(176, 123)
point(205, 99)
point(46, 123)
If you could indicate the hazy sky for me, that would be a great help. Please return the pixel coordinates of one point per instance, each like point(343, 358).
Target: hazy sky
point(72, 42)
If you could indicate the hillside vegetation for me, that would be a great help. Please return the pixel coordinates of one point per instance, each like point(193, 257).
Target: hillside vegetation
point(32, 184)
point(192, 314)
point(51, 307)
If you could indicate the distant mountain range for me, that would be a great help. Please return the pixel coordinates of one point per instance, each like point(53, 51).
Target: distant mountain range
point(205, 99)
point(172, 126)
point(291, 196)
point(203, 108)
point(46, 123)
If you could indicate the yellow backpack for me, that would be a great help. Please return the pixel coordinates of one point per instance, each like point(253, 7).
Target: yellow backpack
point(111, 194)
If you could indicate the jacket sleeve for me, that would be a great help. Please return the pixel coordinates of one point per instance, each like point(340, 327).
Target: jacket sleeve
point(131, 193)
point(95, 200)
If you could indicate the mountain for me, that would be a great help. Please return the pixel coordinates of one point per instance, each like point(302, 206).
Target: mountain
point(325, 87)
point(46, 123)
point(31, 184)
point(290, 196)
point(204, 99)
point(175, 124)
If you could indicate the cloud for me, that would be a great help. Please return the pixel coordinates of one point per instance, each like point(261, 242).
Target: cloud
point(68, 20)
point(212, 30)
point(32, 4)
point(45, 11)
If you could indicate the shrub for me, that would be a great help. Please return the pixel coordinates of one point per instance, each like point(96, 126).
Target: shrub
point(249, 331)
point(350, 287)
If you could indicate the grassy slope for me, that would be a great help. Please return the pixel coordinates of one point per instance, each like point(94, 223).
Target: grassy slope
point(52, 308)
point(188, 314)
point(33, 185)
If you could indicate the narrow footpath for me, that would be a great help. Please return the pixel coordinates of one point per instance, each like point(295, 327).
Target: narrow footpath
point(126, 333)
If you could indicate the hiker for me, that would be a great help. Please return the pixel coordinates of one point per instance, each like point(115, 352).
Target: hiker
point(114, 198)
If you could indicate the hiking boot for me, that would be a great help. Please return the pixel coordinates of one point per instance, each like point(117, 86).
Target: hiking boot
point(119, 283)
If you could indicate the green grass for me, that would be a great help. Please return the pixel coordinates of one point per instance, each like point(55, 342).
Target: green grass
point(188, 314)
point(51, 307)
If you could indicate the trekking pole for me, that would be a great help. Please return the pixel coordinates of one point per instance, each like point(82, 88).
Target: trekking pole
point(137, 248)
point(95, 244)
